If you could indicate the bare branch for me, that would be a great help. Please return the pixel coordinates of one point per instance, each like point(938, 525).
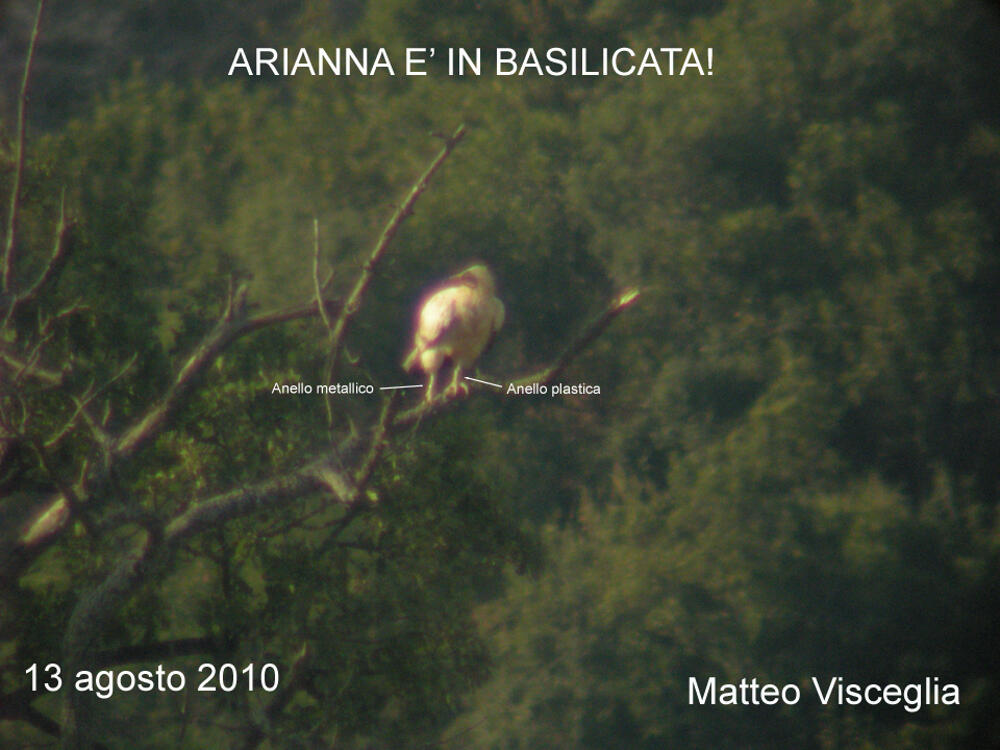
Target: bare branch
point(586, 337)
point(69, 493)
point(26, 365)
point(317, 287)
point(243, 501)
point(17, 707)
point(82, 402)
point(230, 327)
point(218, 510)
point(379, 440)
point(353, 303)
point(87, 620)
point(95, 608)
point(58, 257)
point(289, 686)
point(15, 193)
point(53, 515)
point(56, 260)
point(31, 369)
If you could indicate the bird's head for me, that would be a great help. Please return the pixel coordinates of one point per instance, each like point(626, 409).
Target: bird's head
point(477, 275)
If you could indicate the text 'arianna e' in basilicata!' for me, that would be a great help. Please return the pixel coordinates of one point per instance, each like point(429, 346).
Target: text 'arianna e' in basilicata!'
point(466, 62)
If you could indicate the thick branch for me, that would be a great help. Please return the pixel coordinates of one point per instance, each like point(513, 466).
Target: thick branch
point(97, 607)
point(222, 508)
point(53, 515)
point(86, 623)
point(10, 244)
point(17, 707)
point(231, 327)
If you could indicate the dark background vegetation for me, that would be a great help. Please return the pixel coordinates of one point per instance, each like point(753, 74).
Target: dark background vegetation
point(792, 470)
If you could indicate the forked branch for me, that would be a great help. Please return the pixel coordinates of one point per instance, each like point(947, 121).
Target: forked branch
point(354, 299)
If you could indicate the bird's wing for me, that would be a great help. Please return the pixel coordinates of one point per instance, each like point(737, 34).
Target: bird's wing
point(499, 314)
point(439, 316)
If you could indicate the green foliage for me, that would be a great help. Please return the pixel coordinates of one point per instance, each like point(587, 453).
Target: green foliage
point(791, 470)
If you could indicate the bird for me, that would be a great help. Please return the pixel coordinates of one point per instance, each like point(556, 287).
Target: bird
point(456, 320)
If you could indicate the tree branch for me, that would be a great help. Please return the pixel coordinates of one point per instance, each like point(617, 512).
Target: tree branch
point(289, 686)
point(343, 475)
point(217, 510)
point(55, 262)
point(10, 244)
point(82, 402)
point(29, 368)
point(353, 303)
point(95, 608)
point(584, 339)
point(230, 327)
point(17, 707)
point(53, 516)
point(379, 441)
point(52, 520)
point(317, 287)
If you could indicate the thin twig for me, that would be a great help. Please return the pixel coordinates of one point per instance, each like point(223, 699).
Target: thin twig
point(15, 192)
point(289, 686)
point(82, 402)
point(317, 287)
point(378, 442)
point(45, 375)
point(46, 330)
point(617, 306)
point(56, 259)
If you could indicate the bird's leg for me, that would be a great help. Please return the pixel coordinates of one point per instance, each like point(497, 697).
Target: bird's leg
point(456, 387)
point(429, 393)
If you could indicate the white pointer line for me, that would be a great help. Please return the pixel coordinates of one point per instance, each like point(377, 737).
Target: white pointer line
point(397, 387)
point(484, 382)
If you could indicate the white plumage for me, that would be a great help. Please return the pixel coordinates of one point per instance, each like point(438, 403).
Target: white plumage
point(456, 321)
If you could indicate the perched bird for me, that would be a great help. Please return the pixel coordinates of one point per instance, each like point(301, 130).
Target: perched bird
point(456, 321)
